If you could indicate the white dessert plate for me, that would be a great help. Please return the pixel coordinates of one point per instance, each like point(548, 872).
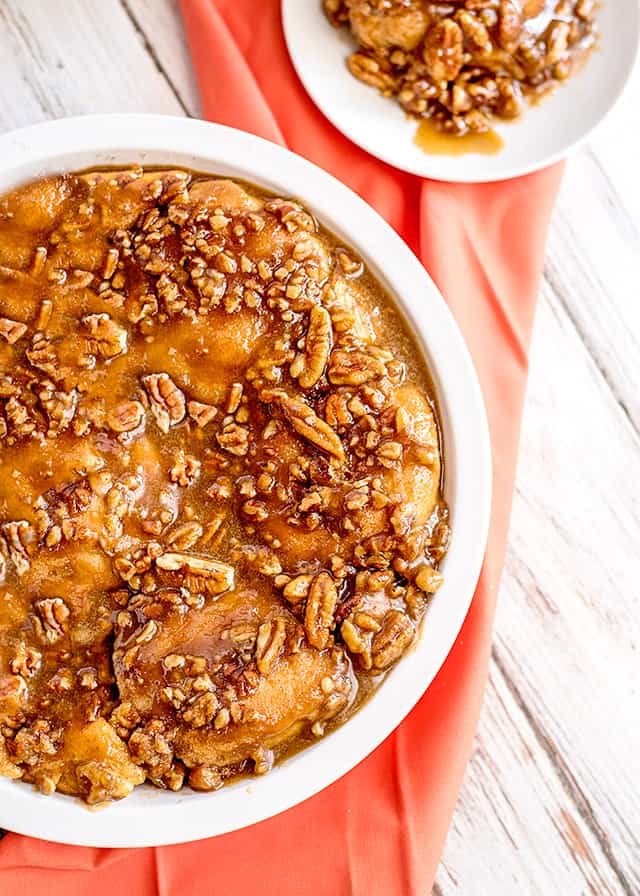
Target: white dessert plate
point(544, 134)
point(154, 817)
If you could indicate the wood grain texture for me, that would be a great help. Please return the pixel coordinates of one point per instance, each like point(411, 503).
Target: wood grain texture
point(549, 804)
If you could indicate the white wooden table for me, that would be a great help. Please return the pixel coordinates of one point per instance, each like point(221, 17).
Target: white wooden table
point(550, 803)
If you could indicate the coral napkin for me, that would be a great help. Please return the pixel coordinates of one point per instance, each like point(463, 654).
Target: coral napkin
point(379, 830)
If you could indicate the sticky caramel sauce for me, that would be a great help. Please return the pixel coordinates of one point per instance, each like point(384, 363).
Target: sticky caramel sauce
point(435, 142)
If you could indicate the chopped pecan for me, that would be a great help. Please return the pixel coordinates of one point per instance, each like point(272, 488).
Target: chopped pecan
point(270, 643)
point(19, 537)
point(185, 469)
point(317, 347)
point(200, 413)
point(12, 330)
point(336, 411)
point(297, 589)
point(201, 710)
point(392, 640)
point(185, 536)
point(357, 641)
point(474, 30)
point(234, 439)
point(126, 416)
point(371, 71)
point(167, 401)
point(107, 338)
point(428, 579)
point(51, 621)
point(291, 215)
point(443, 50)
point(321, 605)
point(42, 355)
point(220, 577)
point(509, 24)
point(306, 422)
point(59, 406)
point(354, 368)
point(26, 662)
point(557, 41)
point(205, 778)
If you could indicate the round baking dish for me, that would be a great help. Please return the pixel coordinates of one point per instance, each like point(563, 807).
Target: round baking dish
point(153, 817)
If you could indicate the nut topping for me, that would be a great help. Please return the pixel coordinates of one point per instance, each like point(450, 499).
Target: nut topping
point(167, 402)
point(108, 338)
point(270, 642)
point(392, 640)
point(220, 576)
point(220, 512)
point(52, 618)
point(12, 330)
point(307, 423)
point(126, 417)
point(317, 347)
point(321, 605)
point(19, 537)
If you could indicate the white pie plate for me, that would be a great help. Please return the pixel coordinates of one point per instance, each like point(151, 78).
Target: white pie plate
point(153, 817)
point(543, 134)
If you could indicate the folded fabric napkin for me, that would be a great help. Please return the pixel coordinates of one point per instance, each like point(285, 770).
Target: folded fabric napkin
point(380, 829)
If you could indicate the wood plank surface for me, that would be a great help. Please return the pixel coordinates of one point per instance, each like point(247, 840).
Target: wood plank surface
point(550, 800)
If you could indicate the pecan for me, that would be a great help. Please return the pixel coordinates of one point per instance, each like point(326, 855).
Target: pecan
point(12, 330)
point(306, 423)
point(26, 662)
point(110, 264)
point(474, 30)
point(126, 416)
point(167, 401)
point(205, 778)
point(357, 641)
point(392, 640)
point(59, 406)
point(234, 439)
point(148, 744)
point(220, 577)
point(124, 718)
point(556, 40)
point(51, 621)
point(317, 347)
point(428, 579)
point(354, 368)
point(291, 215)
point(443, 50)
point(107, 338)
point(263, 760)
point(201, 711)
point(42, 355)
point(321, 604)
point(185, 536)
point(269, 644)
point(336, 411)
point(200, 413)
point(185, 469)
point(509, 24)
point(19, 537)
point(297, 589)
point(234, 398)
point(371, 72)
point(19, 420)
